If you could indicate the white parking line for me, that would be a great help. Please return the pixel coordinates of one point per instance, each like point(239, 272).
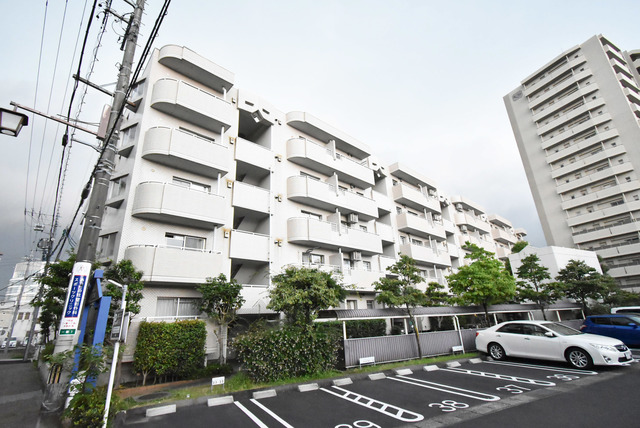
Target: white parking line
point(273, 415)
point(502, 377)
point(552, 369)
point(446, 388)
point(253, 417)
point(379, 406)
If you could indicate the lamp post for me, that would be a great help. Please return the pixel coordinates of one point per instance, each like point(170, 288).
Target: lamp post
point(116, 350)
point(11, 122)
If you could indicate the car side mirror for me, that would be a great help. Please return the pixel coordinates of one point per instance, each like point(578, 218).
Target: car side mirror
point(549, 334)
point(632, 324)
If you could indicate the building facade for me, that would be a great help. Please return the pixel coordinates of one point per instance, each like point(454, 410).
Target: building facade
point(212, 179)
point(554, 258)
point(576, 121)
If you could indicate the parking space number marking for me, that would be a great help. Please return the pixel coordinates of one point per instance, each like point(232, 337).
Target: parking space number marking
point(449, 405)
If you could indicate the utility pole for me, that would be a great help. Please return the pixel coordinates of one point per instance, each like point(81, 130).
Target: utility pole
point(74, 303)
point(99, 192)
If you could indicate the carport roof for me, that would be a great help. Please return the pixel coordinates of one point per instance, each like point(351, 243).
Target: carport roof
point(347, 314)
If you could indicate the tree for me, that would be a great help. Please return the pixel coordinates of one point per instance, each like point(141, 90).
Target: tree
point(124, 272)
point(401, 291)
point(534, 284)
point(301, 292)
point(582, 282)
point(518, 246)
point(484, 282)
point(221, 299)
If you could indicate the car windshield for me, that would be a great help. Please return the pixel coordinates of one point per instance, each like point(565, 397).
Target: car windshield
point(561, 329)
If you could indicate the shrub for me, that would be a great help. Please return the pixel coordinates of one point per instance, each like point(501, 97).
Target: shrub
point(86, 409)
point(213, 370)
point(270, 355)
point(360, 328)
point(170, 349)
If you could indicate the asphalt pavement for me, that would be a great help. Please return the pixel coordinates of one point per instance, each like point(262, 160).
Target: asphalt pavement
point(20, 395)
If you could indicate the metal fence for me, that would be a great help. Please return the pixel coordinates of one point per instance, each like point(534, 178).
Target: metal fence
point(403, 347)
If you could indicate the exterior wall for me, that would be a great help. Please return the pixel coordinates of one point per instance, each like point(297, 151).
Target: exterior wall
point(555, 258)
point(214, 179)
point(577, 122)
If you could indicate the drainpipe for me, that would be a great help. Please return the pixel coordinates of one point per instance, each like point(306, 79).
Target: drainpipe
point(344, 330)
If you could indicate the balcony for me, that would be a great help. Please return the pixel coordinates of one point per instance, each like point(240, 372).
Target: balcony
point(415, 199)
point(249, 246)
point(601, 194)
point(624, 271)
point(564, 102)
point(467, 219)
point(322, 131)
point(174, 204)
point(501, 235)
point(361, 280)
point(604, 213)
point(426, 255)
point(550, 75)
point(318, 194)
point(502, 253)
point(556, 88)
point(196, 67)
point(192, 104)
point(607, 232)
point(581, 145)
point(175, 265)
point(254, 154)
point(622, 250)
point(384, 204)
point(323, 234)
point(420, 226)
point(256, 299)
point(253, 198)
point(570, 115)
point(608, 171)
point(386, 233)
point(186, 151)
point(321, 158)
point(569, 134)
point(482, 243)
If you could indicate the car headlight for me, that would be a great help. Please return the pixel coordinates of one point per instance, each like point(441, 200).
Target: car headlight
point(604, 347)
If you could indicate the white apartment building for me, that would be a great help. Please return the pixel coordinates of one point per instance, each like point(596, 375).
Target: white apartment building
point(21, 291)
point(577, 125)
point(212, 179)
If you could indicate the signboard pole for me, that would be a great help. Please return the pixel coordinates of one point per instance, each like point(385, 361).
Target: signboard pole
point(73, 308)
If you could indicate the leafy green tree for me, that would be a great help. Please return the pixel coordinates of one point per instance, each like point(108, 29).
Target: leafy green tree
point(436, 296)
point(518, 246)
point(221, 299)
point(484, 282)
point(581, 282)
point(301, 292)
point(401, 291)
point(534, 284)
point(124, 272)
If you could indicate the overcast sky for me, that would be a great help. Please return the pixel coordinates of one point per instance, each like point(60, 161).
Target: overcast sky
point(420, 82)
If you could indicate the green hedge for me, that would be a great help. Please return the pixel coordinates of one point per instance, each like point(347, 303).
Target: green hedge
point(270, 355)
point(170, 349)
point(360, 328)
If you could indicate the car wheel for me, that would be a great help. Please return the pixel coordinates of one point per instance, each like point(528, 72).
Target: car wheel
point(579, 359)
point(496, 352)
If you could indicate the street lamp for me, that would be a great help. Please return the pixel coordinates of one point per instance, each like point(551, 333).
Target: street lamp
point(116, 349)
point(11, 122)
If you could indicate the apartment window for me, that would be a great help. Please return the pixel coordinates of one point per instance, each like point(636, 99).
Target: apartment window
point(352, 304)
point(313, 177)
point(128, 135)
point(118, 186)
point(191, 184)
point(20, 314)
point(185, 242)
point(370, 304)
point(177, 307)
point(313, 258)
point(403, 239)
point(416, 242)
point(197, 134)
point(26, 315)
point(311, 215)
point(348, 264)
point(366, 266)
point(363, 228)
point(107, 245)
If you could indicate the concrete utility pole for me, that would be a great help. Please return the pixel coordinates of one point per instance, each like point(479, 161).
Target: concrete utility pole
point(99, 192)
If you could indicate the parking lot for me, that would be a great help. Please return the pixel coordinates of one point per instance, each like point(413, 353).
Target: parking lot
point(426, 396)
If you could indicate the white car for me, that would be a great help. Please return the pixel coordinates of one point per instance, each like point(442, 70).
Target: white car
point(547, 340)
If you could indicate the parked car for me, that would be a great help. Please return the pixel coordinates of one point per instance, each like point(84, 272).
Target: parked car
point(623, 327)
point(12, 342)
point(626, 310)
point(551, 341)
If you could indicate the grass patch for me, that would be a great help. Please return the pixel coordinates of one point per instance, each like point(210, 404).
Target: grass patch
point(241, 382)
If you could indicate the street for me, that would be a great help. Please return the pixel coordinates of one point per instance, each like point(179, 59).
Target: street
point(476, 393)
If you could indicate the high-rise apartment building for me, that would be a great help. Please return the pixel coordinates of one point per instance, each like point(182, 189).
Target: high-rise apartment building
point(212, 179)
point(577, 125)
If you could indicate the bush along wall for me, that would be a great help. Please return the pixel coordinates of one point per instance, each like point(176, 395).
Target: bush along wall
point(270, 355)
point(175, 350)
point(360, 328)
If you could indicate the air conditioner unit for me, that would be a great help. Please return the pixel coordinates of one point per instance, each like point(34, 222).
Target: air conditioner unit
point(352, 218)
point(459, 207)
point(483, 217)
point(356, 255)
point(463, 228)
point(437, 217)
